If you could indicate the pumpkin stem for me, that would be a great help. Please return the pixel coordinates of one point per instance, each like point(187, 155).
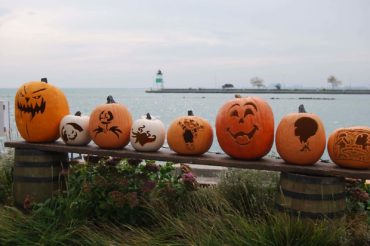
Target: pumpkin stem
point(301, 109)
point(190, 113)
point(45, 80)
point(110, 99)
point(148, 116)
point(78, 113)
point(237, 96)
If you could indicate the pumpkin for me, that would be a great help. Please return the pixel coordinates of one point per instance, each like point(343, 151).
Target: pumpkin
point(147, 134)
point(110, 125)
point(74, 129)
point(300, 138)
point(245, 127)
point(39, 108)
point(190, 135)
point(350, 147)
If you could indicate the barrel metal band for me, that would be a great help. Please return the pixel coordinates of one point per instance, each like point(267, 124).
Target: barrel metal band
point(313, 197)
point(310, 215)
point(38, 164)
point(305, 179)
point(36, 179)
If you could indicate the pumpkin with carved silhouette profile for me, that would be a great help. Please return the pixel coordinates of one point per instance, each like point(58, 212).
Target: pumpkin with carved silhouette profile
point(350, 147)
point(300, 138)
point(245, 127)
point(147, 134)
point(110, 125)
point(190, 135)
point(74, 129)
point(39, 108)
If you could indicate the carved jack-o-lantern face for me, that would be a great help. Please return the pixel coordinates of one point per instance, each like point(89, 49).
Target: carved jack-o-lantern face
point(39, 107)
point(245, 127)
point(74, 129)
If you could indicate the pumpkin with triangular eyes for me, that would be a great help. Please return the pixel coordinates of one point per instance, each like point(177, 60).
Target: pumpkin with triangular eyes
point(74, 129)
point(245, 127)
point(39, 108)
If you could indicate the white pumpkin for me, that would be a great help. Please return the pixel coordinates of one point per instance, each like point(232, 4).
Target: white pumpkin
point(74, 129)
point(147, 134)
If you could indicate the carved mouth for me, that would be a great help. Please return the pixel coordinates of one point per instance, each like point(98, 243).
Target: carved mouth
point(33, 110)
point(243, 138)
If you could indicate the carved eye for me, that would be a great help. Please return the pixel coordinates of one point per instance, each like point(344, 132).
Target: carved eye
point(248, 111)
point(21, 94)
point(36, 97)
point(234, 113)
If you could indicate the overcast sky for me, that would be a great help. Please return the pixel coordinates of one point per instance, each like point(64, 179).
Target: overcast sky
point(196, 43)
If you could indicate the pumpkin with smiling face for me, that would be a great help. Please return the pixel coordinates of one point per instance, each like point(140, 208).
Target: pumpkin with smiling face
point(39, 108)
point(245, 127)
point(300, 138)
point(110, 125)
point(74, 129)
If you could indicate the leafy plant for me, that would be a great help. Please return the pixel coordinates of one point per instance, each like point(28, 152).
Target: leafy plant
point(116, 190)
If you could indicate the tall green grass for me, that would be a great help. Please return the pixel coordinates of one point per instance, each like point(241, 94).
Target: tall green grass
point(238, 211)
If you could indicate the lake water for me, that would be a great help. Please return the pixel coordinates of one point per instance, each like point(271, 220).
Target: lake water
point(334, 110)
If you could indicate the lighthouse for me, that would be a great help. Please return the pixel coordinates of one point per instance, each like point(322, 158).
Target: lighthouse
point(159, 80)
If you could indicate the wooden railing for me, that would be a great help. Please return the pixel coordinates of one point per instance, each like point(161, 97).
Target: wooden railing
point(212, 159)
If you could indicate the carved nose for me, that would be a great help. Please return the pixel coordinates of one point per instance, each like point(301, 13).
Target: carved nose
point(241, 120)
point(27, 99)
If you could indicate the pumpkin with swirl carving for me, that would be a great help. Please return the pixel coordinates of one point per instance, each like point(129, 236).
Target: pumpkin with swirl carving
point(350, 147)
point(110, 125)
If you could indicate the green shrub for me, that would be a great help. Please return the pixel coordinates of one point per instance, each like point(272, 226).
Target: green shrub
point(115, 190)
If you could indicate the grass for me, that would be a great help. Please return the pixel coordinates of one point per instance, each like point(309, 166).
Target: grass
point(238, 211)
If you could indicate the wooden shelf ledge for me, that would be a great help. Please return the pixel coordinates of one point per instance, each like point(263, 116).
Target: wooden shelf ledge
point(211, 159)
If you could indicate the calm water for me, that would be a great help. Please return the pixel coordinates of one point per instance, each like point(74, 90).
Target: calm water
point(334, 110)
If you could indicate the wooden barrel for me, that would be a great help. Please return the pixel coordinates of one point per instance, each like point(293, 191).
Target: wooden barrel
point(36, 175)
point(314, 197)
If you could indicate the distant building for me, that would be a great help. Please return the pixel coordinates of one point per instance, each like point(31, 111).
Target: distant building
point(227, 86)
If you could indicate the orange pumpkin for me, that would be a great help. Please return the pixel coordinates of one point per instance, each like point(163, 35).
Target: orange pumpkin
point(300, 138)
point(39, 108)
point(110, 125)
point(245, 127)
point(190, 135)
point(350, 147)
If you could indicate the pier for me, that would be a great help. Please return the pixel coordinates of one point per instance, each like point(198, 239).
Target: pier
point(261, 91)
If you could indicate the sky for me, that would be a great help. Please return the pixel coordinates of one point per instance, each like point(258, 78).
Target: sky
point(196, 43)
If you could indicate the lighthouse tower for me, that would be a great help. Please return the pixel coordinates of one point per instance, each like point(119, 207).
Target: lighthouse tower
point(159, 80)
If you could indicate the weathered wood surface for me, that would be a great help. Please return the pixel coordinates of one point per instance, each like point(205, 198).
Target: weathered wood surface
point(212, 159)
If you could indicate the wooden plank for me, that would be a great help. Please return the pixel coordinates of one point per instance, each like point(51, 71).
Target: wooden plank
point(212, 159)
